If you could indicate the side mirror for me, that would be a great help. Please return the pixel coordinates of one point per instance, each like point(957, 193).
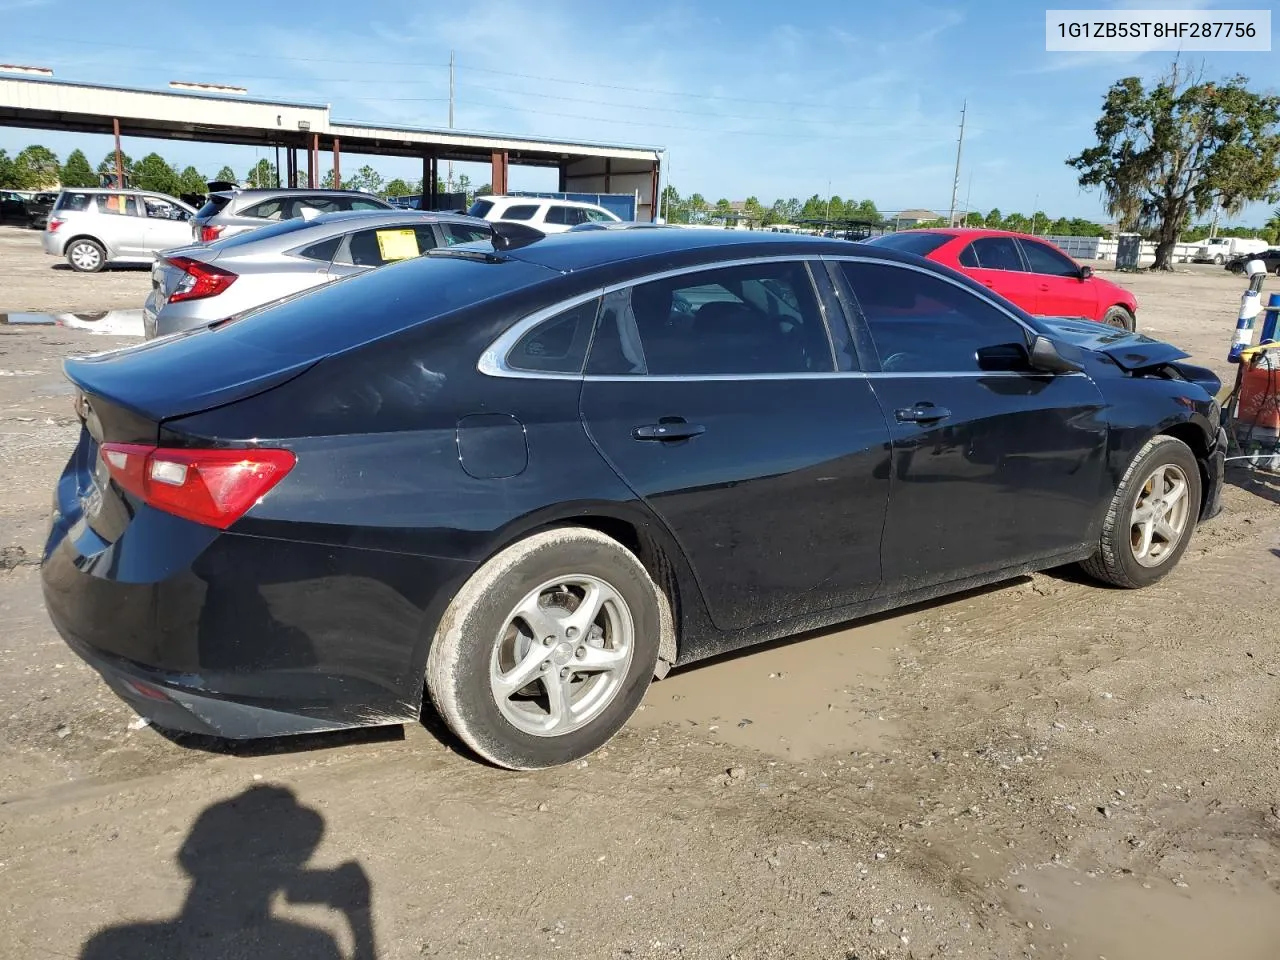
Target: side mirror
point(1046, 356)
point(1086, 272)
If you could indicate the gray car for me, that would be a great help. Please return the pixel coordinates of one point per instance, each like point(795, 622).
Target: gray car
point(195, 285)
point(93, 226)
point(229, 212)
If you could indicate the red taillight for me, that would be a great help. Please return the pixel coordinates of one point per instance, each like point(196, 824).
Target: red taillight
point(209, 234)
point(201, 280)
point(213, 487)
point(53, 224)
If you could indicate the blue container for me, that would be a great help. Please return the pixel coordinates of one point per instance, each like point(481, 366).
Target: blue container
point(1269, 318)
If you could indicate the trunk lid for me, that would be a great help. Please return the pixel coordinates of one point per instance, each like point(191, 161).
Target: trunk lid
point(1129, 351)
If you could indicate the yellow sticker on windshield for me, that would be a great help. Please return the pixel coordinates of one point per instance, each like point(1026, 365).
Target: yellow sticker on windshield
point(398, 244)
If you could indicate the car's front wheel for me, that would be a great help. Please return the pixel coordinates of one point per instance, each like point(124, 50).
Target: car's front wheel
point(1151, 517)
point(547, 649)
point(1118, 316)
point(87, 256)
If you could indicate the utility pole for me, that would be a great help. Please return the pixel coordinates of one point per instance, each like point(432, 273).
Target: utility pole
point(955, 184)
point(450, 115)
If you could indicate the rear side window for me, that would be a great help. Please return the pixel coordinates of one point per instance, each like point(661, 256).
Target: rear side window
point(756, 319)
point(921, 323)
point(74, 202)
point(376, 248)
point(116, 203)
point(557, 345)
point(322, 251)
point(998, 253)
point(968, 257)
point(266, 210)
point(524, 211)
point(463, 233)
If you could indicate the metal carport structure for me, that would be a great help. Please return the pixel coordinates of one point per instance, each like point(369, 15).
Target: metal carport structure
point(584, 167)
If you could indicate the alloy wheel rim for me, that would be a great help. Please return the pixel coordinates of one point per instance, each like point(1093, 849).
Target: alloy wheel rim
point(84, 255)
point(562, 655)
point(1160, 515)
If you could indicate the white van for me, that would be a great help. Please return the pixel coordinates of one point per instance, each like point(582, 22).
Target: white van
point(547, 215)
point(1221, 249)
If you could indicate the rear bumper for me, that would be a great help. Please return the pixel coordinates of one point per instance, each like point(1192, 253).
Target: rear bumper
point(52, 244)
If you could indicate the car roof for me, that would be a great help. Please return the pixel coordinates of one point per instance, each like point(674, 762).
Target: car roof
point(973, 233)
point(297, 191)
point(556, 200)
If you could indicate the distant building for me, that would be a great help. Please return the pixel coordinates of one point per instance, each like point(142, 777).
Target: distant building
point(910, 218)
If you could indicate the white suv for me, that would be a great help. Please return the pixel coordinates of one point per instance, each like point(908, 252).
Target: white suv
point(547, 215)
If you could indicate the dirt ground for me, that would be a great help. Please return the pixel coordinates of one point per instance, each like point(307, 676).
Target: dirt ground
point(1042, 769)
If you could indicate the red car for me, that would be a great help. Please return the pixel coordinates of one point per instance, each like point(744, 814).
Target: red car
point(1034, 274)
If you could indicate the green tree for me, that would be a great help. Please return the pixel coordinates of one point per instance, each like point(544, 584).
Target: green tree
point(227, 175)
point(76, 172)
point(1273, 226)
point(193, 181)
point(152, 172)
point(36, 167)
point(8, 175)
point(399, 188)
point(994, 220)
point(261, 174)
point(1180, 148)
point(108, 165)
point(366, 178)
point(697, 206)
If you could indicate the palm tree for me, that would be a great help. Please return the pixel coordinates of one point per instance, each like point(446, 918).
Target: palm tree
point(1273, 226)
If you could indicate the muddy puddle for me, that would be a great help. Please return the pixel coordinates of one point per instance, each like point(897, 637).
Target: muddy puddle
point(118, 323)
point(1130, 919)
point(795, 700)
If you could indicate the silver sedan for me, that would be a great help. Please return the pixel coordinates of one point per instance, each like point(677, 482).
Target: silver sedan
point(197, 285)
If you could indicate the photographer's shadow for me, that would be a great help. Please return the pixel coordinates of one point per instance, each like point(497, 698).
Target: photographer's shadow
point(240, 854)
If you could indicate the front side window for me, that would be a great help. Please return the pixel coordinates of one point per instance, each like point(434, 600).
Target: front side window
point(737, 321)
point(558, 344)
point(524, 211)
point(160, 209)
point(1042, 258)
point(921, 323)
point(997, 253)
point(598, 216)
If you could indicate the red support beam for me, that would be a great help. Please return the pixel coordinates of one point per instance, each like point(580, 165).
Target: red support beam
point(501, 162)
point(115, 125)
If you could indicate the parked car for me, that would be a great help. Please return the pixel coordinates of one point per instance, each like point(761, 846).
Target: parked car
point(94, 226)
point(13, 208)
point(1270, 259)
point(195, 285)
point(228, 212)
point(39, 207)
point(529, 476)
point(1030, 272)
point(548, 216)
point(1221, 249)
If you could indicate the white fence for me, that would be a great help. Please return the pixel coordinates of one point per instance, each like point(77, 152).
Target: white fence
point(1104, 248)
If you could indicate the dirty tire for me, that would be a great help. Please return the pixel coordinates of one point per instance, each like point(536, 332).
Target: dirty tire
point(1119, 317)
point(1277, 270)
point(1114, 563)
point(86, 256)
point(459, 664)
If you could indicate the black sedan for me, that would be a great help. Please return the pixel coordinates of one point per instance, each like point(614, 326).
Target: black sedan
point(526, 478)
point(1270, 259)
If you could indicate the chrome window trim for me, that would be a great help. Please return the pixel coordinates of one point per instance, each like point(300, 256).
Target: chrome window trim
point(493, 361)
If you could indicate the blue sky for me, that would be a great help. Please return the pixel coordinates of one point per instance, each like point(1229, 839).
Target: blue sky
point(765, 98)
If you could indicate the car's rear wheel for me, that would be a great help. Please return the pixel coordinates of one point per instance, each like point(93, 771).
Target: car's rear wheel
point(1218, 259)
point(547, 650)
point(1118, 316)
point(1278, 269)
point(87, 256)
point(1151, 518)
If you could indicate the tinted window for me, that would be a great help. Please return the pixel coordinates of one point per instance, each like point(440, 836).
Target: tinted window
point(322, 251)
point(463, 233)
point(212, 206)
point(921, 244)
point(967, 257)
point(116, 203)
point(557, 345)
point(367, 205)
point(374, 248)
point(73, 201)
point(924, 324)
point(1042, 258)
point(598, 216)
point(762, 318)
point(520, 212)
point(480, 208)
point(569, 216)
point(266, 210)
point(997, 253)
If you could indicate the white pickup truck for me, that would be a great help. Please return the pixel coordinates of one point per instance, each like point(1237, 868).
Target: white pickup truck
point(1221, 249)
